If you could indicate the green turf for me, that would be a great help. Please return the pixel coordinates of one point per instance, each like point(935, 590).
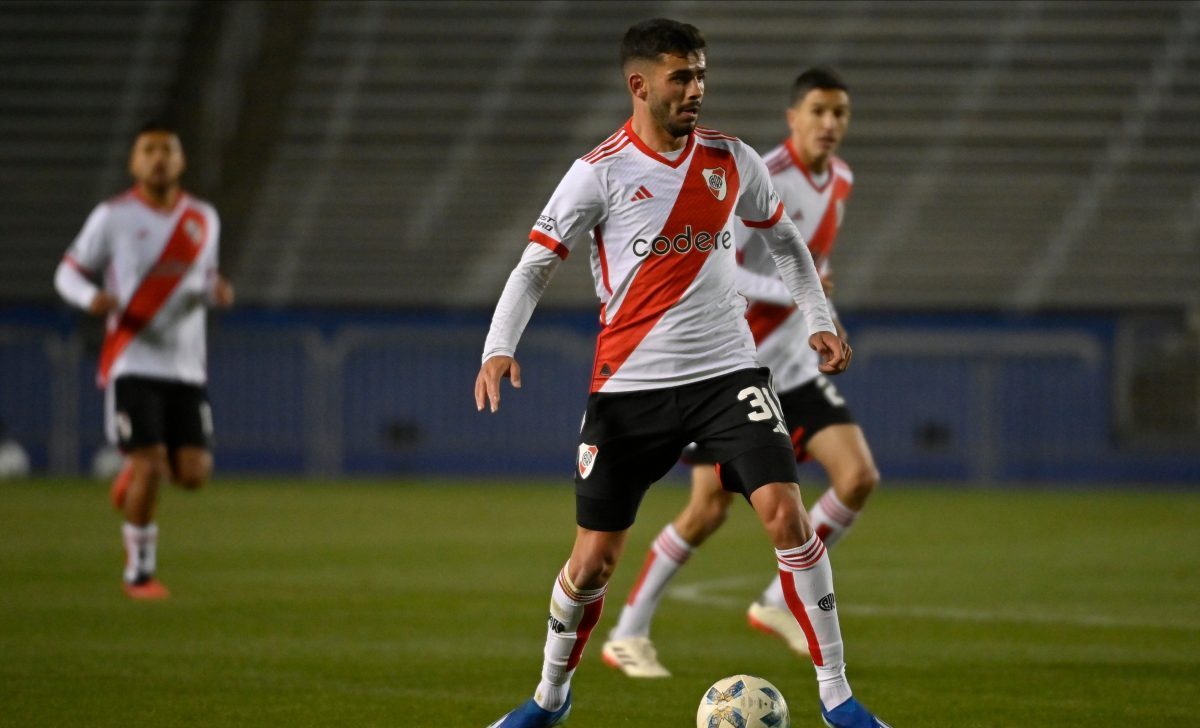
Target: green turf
point(398, 604)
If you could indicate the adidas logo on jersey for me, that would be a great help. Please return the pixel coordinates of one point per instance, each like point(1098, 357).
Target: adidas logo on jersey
point(641, 194)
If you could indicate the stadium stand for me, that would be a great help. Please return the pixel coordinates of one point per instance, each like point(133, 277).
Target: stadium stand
point(1010, 158)
point(1009, 155)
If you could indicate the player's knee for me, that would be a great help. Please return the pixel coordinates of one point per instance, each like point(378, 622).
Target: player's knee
point(786, 524)
point(701, 518)
point(150, 468)
point(192, 479)
point(859, 483)
point(191, 469)
point(712, 512)
point(593, 570)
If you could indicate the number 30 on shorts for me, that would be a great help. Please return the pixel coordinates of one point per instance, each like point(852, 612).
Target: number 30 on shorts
point(764, 405)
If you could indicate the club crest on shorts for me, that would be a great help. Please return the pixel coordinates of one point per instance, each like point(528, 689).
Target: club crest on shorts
point(715, 178)
point(587, 458)
point(124, 426)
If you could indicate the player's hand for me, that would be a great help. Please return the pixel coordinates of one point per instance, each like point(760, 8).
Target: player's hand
point(222, 293)
point(835, 352)
point(487, 384)
point(102, 304)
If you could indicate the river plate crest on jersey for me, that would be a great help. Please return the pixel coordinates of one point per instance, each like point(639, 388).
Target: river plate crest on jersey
point(715, 178)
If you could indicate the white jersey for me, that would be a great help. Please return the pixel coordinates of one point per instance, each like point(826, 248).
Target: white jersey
point(816, 205)
point(661, 229)
point(161, 266)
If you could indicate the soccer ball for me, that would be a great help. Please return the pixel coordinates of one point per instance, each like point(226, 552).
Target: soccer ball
point(743, 701)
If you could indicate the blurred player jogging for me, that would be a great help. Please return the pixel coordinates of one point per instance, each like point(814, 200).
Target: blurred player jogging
point(675, 360)
point(814, 185)
point(146, 260)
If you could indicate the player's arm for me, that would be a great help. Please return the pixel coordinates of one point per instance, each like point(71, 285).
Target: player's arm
point(218, 291)
point(525, 286)
point(758, 287)
point(87, 255)
point(760, 208)
point(576, 207)
point(221, 293)
point(799, 274)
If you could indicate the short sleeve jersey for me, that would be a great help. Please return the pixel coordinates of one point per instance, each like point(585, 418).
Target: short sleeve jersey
point(661, 232)
point(816, 205)
point(124, 242)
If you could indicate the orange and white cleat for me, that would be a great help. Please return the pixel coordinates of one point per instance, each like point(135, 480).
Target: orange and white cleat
point(148, 590)
point(778, 623)
point(634, 656)
point(120, 486)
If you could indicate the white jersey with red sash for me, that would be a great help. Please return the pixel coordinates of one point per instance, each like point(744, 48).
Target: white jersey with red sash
point(662, 254)
point(161, 266)
point(815, 203)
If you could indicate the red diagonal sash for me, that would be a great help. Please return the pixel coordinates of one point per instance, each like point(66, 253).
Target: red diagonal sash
point(661, 280)
point(764, 318)
point(181, 250)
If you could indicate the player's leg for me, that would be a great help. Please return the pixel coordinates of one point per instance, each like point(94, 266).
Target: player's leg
point(843, 452)
point(807, 579)
point(823, 429)
point(191, 467)
point(747, 432)
point(120, 485)
point(576, 601)
point(627, 442)
point(189, 435)
point(628, 647)
point(137, 422)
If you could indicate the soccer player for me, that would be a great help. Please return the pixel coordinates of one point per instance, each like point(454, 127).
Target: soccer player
point(147, 261)
point(814, 185)
point(675, 360)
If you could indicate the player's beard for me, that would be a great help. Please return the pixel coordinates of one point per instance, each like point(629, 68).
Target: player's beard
point(662, 114)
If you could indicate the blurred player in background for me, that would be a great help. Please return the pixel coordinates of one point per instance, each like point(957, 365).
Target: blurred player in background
point(813, 184)
point(147, 261)
point(675, 360)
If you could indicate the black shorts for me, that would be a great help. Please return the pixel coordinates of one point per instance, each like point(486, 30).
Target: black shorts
point(808, 409)
point(145, 411)
point(630, 440)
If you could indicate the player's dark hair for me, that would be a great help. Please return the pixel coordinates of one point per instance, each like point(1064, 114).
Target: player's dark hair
point(649, 38)
point(156, 125)
point(822, 77)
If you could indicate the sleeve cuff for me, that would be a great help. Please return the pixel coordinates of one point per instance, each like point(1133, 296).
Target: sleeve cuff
point(769, 222)
point(545, 240)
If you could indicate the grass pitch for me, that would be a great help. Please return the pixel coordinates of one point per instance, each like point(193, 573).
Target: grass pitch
point(423, 605)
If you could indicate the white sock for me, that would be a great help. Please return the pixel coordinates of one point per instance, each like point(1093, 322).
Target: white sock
point(141, 547)
point(831, 518)
point(772, 596)
point(573, 614)
point(807, 580)
point(666, 555)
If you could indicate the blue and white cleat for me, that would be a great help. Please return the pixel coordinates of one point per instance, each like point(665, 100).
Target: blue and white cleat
point(851, 714)
point(531, 715)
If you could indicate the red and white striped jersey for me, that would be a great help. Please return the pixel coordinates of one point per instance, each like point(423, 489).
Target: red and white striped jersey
point(161, 266)
point(816, 205)
point(661, 229)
